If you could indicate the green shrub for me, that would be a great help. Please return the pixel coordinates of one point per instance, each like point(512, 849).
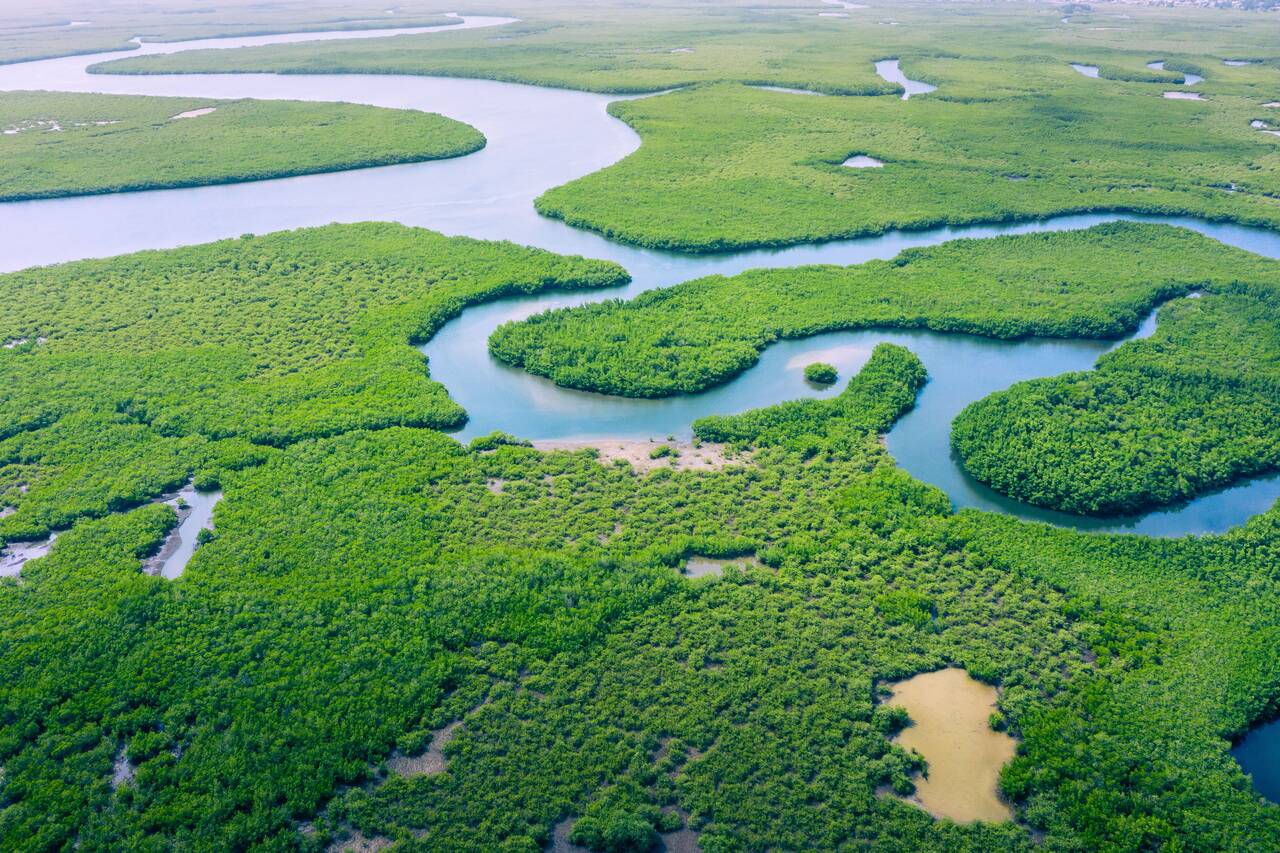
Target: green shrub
point(820, 373)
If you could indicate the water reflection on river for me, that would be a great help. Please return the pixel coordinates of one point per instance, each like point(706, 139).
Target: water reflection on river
point(539, 138)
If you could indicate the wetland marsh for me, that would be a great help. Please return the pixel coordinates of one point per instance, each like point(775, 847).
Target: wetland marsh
point(415, 533)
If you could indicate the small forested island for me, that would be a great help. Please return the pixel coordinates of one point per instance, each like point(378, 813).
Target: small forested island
point(821, 373)
point(435, 432)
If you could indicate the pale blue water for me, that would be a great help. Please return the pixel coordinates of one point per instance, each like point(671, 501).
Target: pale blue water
point(539, 138)
point(888, 70)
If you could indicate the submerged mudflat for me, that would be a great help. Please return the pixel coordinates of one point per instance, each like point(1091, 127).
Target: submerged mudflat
point(950, 714)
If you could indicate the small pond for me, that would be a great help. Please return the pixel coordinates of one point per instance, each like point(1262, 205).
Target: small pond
point(1188, 79)
point(949, 713)
point(862, 161)
point(702, 567)
point(1259, 756)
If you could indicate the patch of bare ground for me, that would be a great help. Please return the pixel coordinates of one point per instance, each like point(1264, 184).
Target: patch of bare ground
point(203, 111)
point(15, 555)
point(122, 772)
point(683, 455)
point(495, 485)
point(603, 538)
point(358, 842)
point(154, 565)
point(682, 840)
point(560, 842)
point(429, 763)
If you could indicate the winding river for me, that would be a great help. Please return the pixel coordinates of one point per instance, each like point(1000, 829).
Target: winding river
point(539, 138)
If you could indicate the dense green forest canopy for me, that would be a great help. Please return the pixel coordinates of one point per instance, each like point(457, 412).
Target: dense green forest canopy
point(363, 590)
point(60, 143)
point(1160, 420)
point(373, 588)
point(126, 375)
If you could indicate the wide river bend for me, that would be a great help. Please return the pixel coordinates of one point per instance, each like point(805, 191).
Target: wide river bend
point(539, 138)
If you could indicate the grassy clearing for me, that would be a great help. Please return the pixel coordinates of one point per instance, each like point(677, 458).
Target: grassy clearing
point(726, 167)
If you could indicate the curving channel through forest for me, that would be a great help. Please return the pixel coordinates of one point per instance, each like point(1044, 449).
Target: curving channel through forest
point(539, 138)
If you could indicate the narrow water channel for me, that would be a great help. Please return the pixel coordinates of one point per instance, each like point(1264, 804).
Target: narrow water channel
point(888, 70)
point(195, 513)
point(539, 138)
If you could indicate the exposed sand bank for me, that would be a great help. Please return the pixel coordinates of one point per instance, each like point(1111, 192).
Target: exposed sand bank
point(203, 111)
point(636, 453)
point(16, 554)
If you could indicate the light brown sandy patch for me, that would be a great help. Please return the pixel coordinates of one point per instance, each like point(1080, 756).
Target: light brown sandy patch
point(686, 457)
point(950, 713)
point(495, 485)
point(432, 761)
